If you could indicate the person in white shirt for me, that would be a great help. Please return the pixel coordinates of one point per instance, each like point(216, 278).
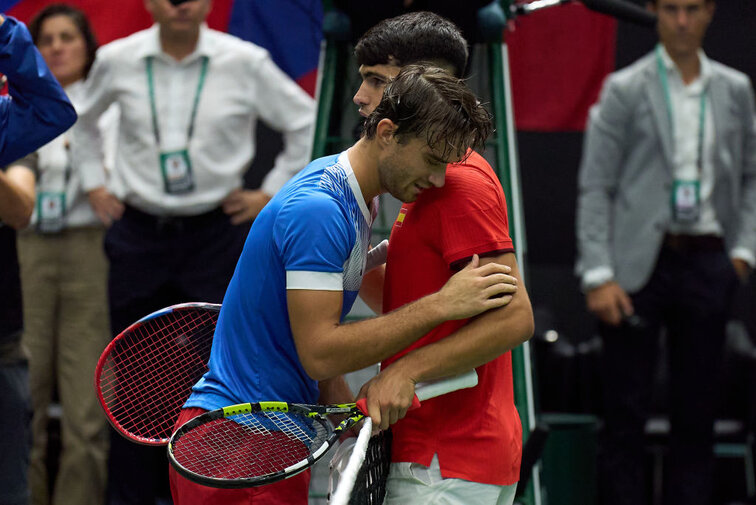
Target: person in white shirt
point(189, 98)
point(666, 225)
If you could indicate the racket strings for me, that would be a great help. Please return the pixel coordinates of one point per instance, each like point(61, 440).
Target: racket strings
point(150, 372)
point(249, 446)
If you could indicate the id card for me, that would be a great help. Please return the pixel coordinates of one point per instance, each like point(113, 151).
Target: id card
point(51, 211)
point(686, 201)
point(177, 172)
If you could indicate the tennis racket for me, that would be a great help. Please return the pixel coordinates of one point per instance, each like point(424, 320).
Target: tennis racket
point(146, 373)
point(361, 471)
point(252, 444)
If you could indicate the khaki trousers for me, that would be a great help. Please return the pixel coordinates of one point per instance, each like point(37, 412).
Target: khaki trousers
point(64, 282)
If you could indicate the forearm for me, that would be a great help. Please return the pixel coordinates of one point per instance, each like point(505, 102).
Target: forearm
point(343, 348)
point(481, 340)
point(16, 196)
point(327, 348)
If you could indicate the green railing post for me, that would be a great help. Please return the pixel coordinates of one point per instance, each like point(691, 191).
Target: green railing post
point(506, 168)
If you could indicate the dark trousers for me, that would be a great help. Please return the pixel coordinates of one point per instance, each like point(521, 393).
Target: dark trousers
point(15, 431)
point(689, 294)
point(154, 263)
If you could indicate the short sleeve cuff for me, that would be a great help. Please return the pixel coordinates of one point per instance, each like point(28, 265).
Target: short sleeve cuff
point(319, 281)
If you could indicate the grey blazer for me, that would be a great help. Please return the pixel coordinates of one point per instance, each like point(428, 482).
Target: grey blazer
point(626, 171)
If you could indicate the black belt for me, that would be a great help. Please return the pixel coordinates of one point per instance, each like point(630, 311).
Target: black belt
point(693, 243)
point(173, 223)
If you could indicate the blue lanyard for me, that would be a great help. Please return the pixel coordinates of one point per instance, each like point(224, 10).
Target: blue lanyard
point(668, 101)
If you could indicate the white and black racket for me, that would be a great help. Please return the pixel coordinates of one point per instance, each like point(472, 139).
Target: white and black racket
point(253, 444)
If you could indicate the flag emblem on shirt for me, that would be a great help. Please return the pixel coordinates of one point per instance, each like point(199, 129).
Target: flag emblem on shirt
point(400, 217)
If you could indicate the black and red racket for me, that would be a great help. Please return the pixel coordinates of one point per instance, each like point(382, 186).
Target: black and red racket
point(146, 373)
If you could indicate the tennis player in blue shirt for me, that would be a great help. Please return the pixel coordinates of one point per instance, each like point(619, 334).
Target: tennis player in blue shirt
point(281, 333)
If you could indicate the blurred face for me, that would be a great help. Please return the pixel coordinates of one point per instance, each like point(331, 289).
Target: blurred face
point(682, 24)
point(409, 168)
point(374, 81)
point(183, 18)
point(64, 49)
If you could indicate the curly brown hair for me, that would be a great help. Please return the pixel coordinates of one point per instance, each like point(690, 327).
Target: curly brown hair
point(428, 101)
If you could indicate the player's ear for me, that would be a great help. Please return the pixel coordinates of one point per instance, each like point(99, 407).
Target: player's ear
point(385, 131)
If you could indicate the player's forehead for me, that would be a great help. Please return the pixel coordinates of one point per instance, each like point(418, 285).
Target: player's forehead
point(384, 71)
point(435, 153)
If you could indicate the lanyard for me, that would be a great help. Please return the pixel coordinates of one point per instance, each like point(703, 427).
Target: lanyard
point(153, 107)
point(670, 115)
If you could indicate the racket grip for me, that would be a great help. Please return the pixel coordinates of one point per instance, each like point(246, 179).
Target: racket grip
point(362, 405)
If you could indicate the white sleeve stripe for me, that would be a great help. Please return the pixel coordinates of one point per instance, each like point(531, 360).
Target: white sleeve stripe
point(321, 281)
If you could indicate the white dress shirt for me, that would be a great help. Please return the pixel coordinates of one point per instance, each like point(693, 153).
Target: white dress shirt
point(686, 117)
point(241, 85)
point(55, 173)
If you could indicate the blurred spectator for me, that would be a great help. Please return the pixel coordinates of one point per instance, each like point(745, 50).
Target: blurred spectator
point(189, 100)
point(63, 273)
point(666, 225)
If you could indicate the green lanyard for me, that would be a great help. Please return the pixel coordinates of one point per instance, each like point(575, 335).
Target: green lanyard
point(670, 115)
point(153, 107)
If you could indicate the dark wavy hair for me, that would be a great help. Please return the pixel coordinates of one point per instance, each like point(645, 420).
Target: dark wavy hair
point(413, 38)
point(425, 101)
point(79, 19)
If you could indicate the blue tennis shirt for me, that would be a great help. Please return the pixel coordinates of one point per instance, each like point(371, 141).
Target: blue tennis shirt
point(313, 234)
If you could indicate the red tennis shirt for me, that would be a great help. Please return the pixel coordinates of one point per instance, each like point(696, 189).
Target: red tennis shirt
point(475, 432)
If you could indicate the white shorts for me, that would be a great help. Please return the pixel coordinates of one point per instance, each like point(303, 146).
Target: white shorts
point(412, 483)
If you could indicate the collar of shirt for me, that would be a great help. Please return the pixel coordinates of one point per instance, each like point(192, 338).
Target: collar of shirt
point(155, 49)
point(703, 78)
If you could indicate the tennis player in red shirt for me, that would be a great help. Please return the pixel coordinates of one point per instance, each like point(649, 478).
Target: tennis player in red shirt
point(464, 447)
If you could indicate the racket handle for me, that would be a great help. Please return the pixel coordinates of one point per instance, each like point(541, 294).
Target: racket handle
point(431, 389)
point(362, 405)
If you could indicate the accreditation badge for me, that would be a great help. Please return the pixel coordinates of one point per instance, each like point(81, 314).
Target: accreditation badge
point(686, 201)
point(177, 172)
point(51, 211)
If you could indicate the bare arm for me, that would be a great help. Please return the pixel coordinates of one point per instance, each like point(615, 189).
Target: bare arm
point(371, 290)
point(328, 348)
point(481, 340)
point(16, 196)
point(335, 390)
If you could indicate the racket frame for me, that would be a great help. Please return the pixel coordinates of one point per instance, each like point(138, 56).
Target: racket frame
point(104, 359)
point(317, 413)
point(354, 415)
